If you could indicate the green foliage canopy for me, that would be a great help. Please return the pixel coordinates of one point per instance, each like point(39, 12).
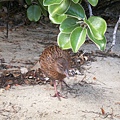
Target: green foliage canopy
point(74, 25)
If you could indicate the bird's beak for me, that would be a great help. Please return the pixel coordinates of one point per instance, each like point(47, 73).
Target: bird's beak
point(66, 73)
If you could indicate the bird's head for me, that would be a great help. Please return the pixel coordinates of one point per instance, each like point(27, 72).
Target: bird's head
point(62, 66)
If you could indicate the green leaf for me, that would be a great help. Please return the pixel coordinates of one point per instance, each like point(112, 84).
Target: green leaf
point(93, 2)
point(51, 2)
point(41, 2)
point(28, 1)
point(97, 27)
point(58, 19)
point(75, 1)
point(59, 8)
point(80, 1)
point(63, 40)
point(41, 5)
point(101, 44)
point(34, 13)
point(77, 38)
point(68, 25)
point(76, 10)
point(43, 8)
point(44, 12)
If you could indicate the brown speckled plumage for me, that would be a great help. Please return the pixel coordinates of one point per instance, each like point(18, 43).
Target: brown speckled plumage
point(55, 63)
point(49, 60)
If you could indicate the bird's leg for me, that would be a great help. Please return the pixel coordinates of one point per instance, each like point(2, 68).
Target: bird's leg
point(66, 85)
point(57, 94)
point(61, 85)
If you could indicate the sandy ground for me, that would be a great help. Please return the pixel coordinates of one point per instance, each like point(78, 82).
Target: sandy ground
point(96, 98)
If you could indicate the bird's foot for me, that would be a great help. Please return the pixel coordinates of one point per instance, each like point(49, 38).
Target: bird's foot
point(58, 95)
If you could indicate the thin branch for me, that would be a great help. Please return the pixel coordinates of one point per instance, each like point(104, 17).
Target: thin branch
point(114, 35)
point(89, 7)
point(115, 31)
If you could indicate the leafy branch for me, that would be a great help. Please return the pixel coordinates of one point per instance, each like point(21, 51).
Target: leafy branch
point(74, 25)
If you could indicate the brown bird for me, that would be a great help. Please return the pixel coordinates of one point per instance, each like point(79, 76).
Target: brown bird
point(55, 63)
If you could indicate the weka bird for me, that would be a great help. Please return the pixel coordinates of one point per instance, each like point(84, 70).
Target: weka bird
point(55, 63)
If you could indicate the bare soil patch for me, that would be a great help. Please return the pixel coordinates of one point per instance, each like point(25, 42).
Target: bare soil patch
point(95, 94)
